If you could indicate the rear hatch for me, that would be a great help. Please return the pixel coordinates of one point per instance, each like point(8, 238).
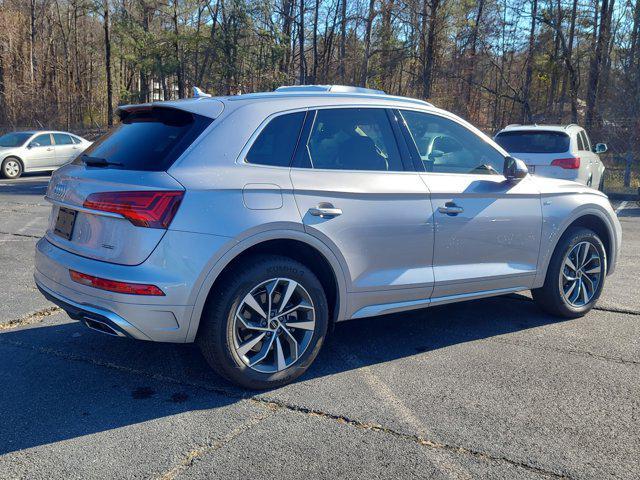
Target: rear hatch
point(115, 202)
point(537, 148)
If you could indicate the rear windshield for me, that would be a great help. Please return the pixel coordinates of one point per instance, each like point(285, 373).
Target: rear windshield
point(14, 139)
point(150, 139)
point(533, 142)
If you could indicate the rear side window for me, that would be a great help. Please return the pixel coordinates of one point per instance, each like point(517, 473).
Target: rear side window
point(585, 140)
point(150, 139)
point(277, 141)
point(352, 139)
point(62, 139)
point(580, 142)
point(533, 141)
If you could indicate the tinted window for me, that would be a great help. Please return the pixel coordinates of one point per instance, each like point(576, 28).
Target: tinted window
point(353, 139)
point(42, 140)
point(277, 141)
point(448, 147)
point(62, 139)
point(14, 139)
point(533, 142)
point(76, 140)
point(150, 139)
point(580, 142)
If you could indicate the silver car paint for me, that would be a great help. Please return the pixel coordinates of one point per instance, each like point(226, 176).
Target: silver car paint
point(388, 250)
point(46, 157)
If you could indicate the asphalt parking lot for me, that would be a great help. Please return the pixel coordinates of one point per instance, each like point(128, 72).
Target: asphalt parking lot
point(491, 388)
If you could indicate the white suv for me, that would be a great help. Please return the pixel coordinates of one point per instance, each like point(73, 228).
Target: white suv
point(563, 152)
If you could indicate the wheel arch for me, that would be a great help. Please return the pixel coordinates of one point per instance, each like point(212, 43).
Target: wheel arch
point(593, 218)
point(13, 155)
point(293, 244)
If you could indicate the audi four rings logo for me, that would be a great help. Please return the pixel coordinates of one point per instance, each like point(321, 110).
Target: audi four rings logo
point(60, 190)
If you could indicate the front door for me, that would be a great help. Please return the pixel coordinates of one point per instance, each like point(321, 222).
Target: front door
point(41, 153)
point(487, 229)
point(355, 194)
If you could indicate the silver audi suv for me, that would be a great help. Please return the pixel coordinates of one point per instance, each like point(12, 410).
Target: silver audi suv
point(250, 224)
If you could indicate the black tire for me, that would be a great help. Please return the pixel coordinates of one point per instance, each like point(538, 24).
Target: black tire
point(216, 334)
point(8, 172)
point(549, 297)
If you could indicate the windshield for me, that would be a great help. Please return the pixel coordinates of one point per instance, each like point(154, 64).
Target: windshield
point(149, 139)
point(14, 139)
point(533, 142)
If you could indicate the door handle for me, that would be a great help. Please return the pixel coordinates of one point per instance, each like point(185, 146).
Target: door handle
point(325, 210)
point(49, 149)
point(451, 209)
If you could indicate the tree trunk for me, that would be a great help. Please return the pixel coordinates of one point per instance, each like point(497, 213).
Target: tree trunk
point(472, 56)
point(303, 67)
point(364, 74)
point(343, 40)
point(107, 63)
point(315, 41)
point(526, 89)
point(596, 64)
point(430, 50)
point(176, 48)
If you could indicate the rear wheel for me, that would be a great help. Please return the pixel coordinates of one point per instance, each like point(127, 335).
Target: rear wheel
point(266, 324)
point(11, 168)
point(575, 276)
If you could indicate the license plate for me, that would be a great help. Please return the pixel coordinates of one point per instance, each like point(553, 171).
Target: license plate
point(65, 222)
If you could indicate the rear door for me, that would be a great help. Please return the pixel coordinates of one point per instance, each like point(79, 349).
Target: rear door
point(356, 195)
point(124, 170)
point(41, 152)
point(66, 150)
point(487, 230)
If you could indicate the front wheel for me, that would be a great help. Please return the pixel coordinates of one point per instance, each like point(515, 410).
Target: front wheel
point(11, 168)
point(575, 276)
point(266, 324)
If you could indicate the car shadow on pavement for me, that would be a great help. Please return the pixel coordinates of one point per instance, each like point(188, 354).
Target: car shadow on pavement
point(64, 381)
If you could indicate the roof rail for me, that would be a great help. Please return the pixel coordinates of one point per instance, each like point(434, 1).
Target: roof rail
point(328, 89)
point(572, 125)
point(513, 125)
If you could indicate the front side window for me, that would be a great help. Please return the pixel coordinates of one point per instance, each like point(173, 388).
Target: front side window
point(62, 139)
point(445, 146)
point(277, 141)
point(43, 140)
point(353, 139)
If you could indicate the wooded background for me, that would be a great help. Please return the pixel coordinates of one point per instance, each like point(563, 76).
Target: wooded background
point(69, 63)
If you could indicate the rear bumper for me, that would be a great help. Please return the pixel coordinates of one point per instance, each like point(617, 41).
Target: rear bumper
point(94, 318)
point(156, 318)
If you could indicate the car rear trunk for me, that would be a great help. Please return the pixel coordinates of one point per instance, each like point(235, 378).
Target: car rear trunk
point(101, 235)
point(115, 202)
point(536, 147)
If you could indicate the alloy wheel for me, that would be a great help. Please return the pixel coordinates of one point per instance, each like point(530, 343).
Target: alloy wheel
point(11, 168)
point(273, 325)
point(581, 274)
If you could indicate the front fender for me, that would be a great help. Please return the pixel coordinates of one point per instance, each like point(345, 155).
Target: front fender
point(559, 212)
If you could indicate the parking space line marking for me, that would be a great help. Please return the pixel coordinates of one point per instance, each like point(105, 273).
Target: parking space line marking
point(621, 207)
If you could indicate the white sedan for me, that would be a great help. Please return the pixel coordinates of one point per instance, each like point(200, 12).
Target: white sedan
point(38, 151)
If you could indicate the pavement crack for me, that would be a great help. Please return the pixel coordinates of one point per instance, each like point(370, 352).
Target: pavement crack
point(570, 351)
point(425, 442)
point(25, 235)
point(199, 451)
point(31, 318)
point(626, 311)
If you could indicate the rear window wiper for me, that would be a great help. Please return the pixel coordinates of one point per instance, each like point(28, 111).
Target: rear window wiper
point(98, 162)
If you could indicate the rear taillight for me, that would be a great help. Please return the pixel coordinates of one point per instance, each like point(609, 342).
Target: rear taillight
point(115, 286)
point(567, 163)
point(154, 209)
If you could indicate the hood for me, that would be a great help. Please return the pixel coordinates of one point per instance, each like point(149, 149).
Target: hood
point(559, 186)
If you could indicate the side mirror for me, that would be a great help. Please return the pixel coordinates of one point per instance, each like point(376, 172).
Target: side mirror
point(514, 168)
point(600, 148)
point(33, 144)
point(435, 154)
